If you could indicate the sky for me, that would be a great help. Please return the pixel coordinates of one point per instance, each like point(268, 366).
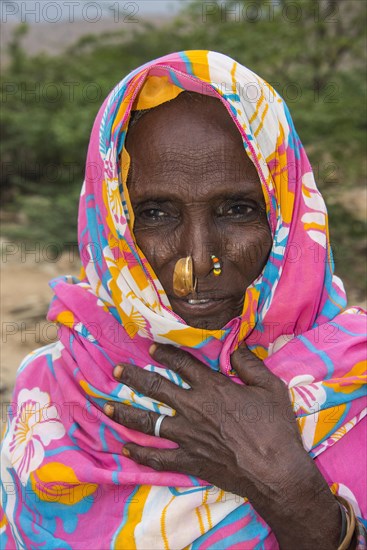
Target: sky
point(52, 11)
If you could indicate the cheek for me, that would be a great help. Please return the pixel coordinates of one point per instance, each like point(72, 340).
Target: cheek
point(249, 249)
point(157, 246)
point(244, 249)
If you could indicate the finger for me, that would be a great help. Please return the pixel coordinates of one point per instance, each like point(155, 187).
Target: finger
point(250, 368)
point(162, 460)
point(151, 384)
point(188, 367)
point(142, 420)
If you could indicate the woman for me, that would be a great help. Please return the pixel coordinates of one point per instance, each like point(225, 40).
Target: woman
point(207, 263)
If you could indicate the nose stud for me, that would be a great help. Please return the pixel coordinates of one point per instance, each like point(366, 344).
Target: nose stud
point(184, 281)
point(217, 266)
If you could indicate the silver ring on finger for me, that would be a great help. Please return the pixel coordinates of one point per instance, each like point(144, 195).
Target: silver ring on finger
point(157, 427)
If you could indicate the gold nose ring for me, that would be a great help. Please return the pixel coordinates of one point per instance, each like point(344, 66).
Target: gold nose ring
point(184, 281)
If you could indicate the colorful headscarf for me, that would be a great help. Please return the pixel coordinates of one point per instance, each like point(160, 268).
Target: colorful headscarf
point(65, 481)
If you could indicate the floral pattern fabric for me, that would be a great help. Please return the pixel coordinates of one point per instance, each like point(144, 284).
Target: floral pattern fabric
point(65, 483)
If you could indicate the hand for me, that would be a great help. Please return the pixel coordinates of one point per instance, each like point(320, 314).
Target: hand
point(241, 438)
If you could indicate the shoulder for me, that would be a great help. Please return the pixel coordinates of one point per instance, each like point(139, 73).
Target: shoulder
point(37, 370)
point(39, 358)
point(34, 401)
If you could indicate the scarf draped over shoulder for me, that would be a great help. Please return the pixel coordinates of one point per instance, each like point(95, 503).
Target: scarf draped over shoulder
point(65, 482)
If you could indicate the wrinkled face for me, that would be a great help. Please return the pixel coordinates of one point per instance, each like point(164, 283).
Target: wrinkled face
point(195, 192)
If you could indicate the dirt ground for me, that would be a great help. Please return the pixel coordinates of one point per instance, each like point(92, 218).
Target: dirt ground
point(25, 296)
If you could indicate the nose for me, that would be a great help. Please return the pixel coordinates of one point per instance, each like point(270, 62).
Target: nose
point(201, 244)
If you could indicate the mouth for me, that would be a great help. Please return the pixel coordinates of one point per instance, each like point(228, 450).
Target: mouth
point(199, 306)
point(197, 302)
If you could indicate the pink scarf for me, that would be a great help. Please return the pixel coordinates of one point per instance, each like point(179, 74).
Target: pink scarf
point(66, 483)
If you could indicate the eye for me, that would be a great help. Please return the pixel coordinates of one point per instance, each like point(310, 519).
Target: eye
point(238, 210)
point(153, 214)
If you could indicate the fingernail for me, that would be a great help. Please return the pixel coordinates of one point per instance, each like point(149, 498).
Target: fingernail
point(117, 371)
point(108, 409)
point(125, 451)
point(152, 349)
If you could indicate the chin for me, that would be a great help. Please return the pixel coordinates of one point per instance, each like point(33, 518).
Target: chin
point(208, 324)
point(212, 315)
point(205, 325)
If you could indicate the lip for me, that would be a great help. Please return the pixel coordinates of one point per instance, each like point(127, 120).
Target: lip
point(210, 306)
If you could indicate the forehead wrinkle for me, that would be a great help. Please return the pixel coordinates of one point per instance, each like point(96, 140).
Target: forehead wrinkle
point(171, 152)
point(159, 179)
point(179, 183)
point(190, 191)
point(194, 159)
point(174, 162)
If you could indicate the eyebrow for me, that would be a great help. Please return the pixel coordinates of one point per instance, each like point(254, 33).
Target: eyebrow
point(168, 196)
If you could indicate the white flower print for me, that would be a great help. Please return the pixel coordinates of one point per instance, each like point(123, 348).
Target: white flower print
point(34, 426)
point(314, 221)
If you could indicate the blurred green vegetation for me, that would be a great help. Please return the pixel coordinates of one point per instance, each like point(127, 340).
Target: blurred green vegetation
point(311, 51)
